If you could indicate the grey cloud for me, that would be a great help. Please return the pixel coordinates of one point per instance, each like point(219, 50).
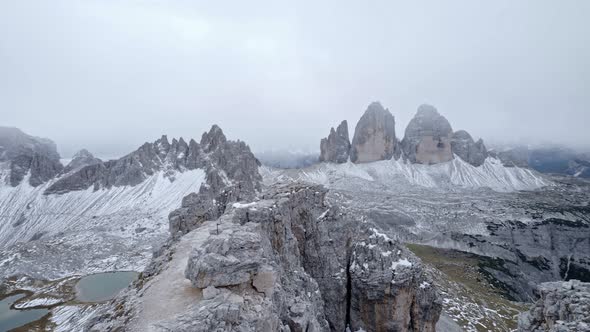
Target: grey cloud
point(109, 75)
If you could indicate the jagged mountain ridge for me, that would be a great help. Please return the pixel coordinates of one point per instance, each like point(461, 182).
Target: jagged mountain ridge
point(428, 139)
point(80, 160)
point(150, 158)
point(140, 189)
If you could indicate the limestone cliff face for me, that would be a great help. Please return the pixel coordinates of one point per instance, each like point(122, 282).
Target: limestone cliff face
point(389, 292)
point(289, 261)
point(291, 240)
point(428, 137)
point(462, 145)
point(562, 306)
point(336, 147)
point(374, 136)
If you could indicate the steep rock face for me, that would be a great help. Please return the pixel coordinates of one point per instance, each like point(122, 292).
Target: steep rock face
point(428, 137)
point(388, 290)
point(336, 147)
point(223, 161)
point(81, 159)
point(563, 306)
point(381, 290)
point(232, 175)
point(27, 154)
point(374, 136)
point(462, 145)
point(289, 261)
point(525, 255)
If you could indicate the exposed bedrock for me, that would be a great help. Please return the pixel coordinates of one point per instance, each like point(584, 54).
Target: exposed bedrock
point(462, 145)
point(28, 155)
point(336, 147)
point(81, 159)
point(562, 306)
point(428, 137)
point(232, 175)
point(526, 255)
point(225, 163)
point(374, 136)
point(321, 269)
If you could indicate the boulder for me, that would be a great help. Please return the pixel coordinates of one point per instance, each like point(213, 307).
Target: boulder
point(225, 260)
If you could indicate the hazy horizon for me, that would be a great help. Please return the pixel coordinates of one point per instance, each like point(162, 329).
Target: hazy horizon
point(110, 75)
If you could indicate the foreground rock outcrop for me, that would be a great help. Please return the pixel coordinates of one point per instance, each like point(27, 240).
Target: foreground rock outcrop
point(289, 261)
point(336, 147)
point(428, 137)
point(563, 306)
point(374, 136)
point(232, 175)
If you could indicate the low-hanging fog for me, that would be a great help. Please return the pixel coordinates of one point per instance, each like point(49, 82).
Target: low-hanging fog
point(109, 75)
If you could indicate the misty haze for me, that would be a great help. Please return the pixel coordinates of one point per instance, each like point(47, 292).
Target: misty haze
point(294, 166)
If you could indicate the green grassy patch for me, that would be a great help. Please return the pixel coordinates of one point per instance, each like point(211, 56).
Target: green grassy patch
point(470, 297)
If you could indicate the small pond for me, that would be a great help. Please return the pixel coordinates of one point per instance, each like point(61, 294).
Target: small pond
point(12, 318)
point(103, 286)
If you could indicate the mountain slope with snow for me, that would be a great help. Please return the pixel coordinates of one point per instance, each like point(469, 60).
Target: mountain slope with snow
point(87, 231)
point(112, 215)
point(398, 175)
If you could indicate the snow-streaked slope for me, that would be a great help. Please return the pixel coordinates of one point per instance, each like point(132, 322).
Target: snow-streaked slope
point(396, 174)
point(25, 211)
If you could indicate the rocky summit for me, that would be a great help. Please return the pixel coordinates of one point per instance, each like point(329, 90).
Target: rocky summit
point(428, 137)
point(29, 156)
point(336, 147)
point(81, 159)
point(464, 147)
point(374, 136)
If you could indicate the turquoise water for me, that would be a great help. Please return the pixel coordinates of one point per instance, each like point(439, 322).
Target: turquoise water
point(103, 286)
point(11, 318)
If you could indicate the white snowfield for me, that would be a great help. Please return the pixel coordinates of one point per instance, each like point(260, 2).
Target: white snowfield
point(397, 175)
point(25, 212)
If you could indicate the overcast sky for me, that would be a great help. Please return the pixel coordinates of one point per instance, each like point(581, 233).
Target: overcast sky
point(109, 75)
